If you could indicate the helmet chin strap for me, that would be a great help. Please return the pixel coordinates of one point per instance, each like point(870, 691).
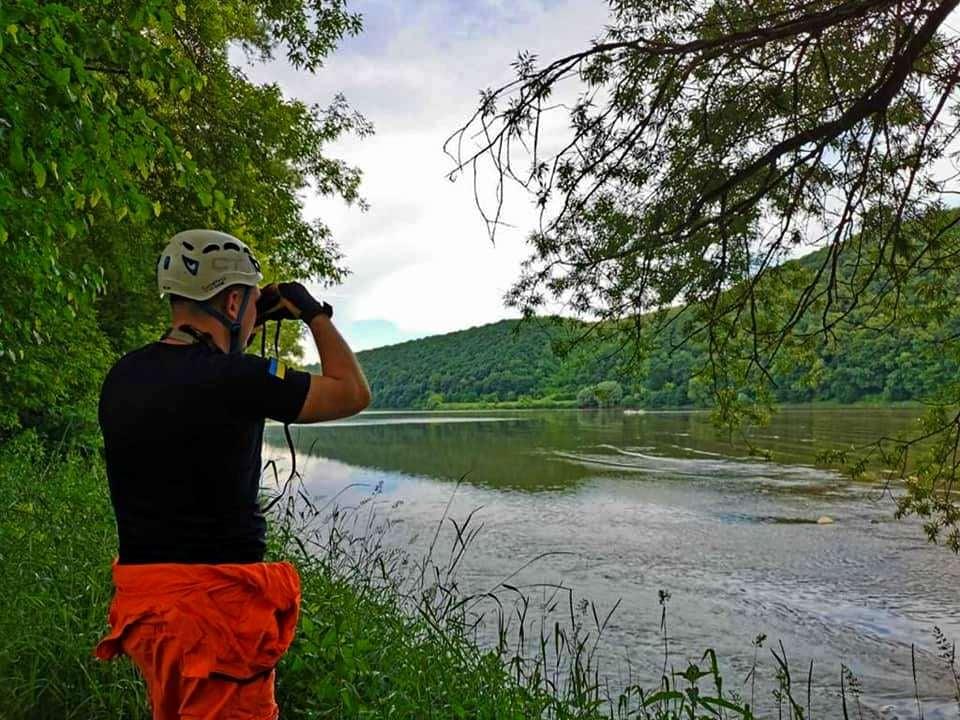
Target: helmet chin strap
point(233, 326)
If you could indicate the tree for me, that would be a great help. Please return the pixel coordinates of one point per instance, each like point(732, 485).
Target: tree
point(609, 393)
point(711, 141)
point(587, 397)
point(122, 123)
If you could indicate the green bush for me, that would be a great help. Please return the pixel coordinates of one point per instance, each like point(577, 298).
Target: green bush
point(587, 397)
point(609, 393)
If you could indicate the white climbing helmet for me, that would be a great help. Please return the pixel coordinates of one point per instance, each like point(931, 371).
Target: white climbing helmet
point(197, 264)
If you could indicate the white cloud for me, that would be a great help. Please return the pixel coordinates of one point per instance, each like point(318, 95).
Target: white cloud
point(420, 258)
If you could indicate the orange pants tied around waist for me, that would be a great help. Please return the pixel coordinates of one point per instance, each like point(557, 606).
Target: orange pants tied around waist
point(205, 637)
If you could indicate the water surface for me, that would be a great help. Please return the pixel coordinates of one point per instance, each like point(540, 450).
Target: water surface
point(638, 503)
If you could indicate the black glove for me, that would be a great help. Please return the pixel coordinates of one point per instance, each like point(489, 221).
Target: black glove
point(288, 301)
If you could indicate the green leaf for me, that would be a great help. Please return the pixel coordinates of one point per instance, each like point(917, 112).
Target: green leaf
point(3, 235)
point(39, 174)
point(181, 11)
point(329, 638)
point(157, 207)
point(17, 160)
point(62, 77)
point(662, 696)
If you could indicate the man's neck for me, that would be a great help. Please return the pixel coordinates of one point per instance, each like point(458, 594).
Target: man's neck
point(208, 325)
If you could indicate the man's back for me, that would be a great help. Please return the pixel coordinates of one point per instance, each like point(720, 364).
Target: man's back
point(182, 427)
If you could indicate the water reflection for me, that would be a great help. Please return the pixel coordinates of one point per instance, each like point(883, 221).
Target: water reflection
point(539, 450)
point(493, 451)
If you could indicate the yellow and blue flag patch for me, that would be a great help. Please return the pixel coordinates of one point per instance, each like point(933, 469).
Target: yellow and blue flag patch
point(277, 368)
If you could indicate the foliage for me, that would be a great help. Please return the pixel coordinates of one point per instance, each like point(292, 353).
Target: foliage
point(587, 397)
point(490, 363)
point(123, 123)
point(608, 393)
point(667, 190)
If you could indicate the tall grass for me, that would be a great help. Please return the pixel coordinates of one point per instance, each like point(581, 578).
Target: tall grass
point(57, 540)
point(382, 634)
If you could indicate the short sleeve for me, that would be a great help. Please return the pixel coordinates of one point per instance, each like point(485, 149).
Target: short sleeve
point(265, 387)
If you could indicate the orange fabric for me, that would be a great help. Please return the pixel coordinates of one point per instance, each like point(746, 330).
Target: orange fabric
point(205, 637)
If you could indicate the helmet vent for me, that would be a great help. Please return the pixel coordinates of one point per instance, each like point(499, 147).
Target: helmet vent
point(187, 245)
point(166, 263)
point(231, 246)
point(210, 248)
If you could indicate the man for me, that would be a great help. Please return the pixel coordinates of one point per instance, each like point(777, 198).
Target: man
point(195, 606)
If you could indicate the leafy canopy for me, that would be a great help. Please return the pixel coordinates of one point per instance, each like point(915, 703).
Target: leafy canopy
point(122, 123)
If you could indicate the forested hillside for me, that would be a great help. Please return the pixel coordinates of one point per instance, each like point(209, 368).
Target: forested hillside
point(508, 362)
point(489, 363)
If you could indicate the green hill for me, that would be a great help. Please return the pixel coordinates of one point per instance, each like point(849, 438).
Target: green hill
point(506, 362)
point(490, 363)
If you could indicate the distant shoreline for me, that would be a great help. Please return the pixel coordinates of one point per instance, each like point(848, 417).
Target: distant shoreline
point(572, 405)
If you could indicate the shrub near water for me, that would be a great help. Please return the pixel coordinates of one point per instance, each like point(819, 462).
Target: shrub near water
point(356, 656)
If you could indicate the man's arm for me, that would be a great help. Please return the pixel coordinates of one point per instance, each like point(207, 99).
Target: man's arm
point(342, 389)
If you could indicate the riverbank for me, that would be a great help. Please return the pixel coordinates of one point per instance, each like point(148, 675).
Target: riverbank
point(380, 635)
point(538, 404)
point(355, 654)
point(552, 404)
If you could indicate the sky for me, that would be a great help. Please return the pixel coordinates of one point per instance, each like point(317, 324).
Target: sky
point(420, 259)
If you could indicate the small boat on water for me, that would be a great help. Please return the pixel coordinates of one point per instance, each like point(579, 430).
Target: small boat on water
point(631, 411)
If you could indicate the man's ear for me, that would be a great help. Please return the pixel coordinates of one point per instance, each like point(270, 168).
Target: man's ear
point(232, 306)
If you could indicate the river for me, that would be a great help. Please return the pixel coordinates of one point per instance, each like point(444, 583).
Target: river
point(620, 506)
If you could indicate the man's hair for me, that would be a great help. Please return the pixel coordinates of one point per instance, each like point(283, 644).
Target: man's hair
point(219, 301)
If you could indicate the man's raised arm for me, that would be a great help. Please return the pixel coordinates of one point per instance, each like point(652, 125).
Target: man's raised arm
point(342, 389)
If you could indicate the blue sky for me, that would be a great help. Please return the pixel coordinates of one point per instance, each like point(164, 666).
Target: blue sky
point(420, 259)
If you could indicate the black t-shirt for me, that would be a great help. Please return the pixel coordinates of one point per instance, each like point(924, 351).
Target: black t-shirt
point(182, 427)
